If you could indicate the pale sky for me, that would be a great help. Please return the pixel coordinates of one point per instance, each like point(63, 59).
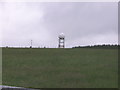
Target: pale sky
point(83, 23)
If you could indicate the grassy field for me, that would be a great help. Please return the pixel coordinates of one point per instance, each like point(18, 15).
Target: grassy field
point(60, 68)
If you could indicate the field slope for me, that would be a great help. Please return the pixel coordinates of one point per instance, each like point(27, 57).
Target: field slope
point(60, 68)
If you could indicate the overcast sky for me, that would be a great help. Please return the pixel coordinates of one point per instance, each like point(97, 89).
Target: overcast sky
point(85, 23)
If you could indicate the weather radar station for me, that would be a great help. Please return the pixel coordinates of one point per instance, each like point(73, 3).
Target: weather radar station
point(61, 43)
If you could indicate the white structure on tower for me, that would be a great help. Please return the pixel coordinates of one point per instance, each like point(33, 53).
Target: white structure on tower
point(61, 41)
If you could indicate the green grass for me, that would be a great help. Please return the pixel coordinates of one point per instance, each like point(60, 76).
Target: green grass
point(0, 66)
point(60, 68)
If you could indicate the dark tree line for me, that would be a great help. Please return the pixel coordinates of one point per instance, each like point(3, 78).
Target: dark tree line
point(104, 46)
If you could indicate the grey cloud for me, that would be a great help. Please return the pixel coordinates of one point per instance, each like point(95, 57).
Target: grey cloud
point(83, 23)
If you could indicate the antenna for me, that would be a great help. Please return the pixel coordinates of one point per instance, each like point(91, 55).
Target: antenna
point(31, 44)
